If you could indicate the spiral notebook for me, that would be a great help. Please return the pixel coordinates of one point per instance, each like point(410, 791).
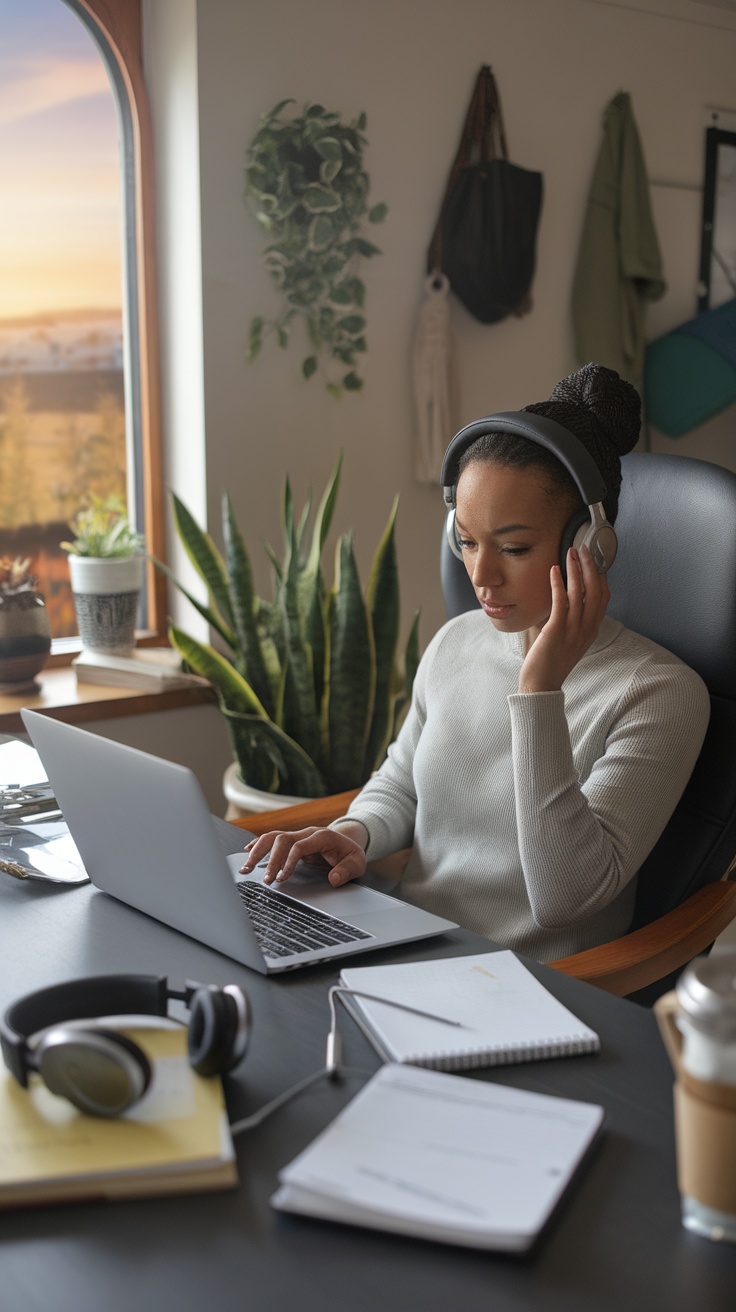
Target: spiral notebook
point(487, 1010)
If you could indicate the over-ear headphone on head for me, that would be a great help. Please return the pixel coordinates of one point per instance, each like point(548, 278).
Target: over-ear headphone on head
point(101, 1071)
point(588, 528)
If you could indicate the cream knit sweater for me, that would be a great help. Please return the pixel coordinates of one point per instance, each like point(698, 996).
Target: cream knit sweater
point(530, 814)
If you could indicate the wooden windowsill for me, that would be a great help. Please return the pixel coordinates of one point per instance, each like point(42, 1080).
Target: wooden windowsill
point(60, 696)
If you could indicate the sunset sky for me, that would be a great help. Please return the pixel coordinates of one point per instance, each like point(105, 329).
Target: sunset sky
point(60, 217)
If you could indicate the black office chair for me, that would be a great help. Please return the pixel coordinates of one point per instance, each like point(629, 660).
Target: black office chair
point(674, 580)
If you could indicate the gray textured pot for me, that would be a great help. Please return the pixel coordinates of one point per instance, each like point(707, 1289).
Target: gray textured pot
point(106, 594)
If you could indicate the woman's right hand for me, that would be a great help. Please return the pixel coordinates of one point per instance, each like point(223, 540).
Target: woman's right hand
point(335, 848)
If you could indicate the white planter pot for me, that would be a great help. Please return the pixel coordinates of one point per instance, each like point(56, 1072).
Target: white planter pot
point(243, 800)
point(106, 594)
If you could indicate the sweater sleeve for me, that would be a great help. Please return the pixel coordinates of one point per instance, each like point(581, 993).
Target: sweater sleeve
point(387, 804)
point(580, 844)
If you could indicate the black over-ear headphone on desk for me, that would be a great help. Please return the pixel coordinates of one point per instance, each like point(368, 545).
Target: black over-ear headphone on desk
point(102, 1071)
point(588, 528)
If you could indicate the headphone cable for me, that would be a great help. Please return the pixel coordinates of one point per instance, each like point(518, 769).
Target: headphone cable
point(333, 1067)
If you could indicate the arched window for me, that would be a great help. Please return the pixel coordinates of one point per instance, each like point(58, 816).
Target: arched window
point(78, 377)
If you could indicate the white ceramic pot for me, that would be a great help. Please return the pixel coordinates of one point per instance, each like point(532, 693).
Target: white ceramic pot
point(106, 594)
point(242, 800)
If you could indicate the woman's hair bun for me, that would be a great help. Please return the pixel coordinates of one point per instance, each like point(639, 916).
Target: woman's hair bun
point(614, 403)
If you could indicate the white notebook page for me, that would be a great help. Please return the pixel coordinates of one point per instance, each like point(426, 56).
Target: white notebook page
point(445, 1156)
point(504, 1011)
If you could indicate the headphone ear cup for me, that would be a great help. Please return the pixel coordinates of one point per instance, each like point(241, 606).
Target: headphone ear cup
point(217, 1029)
point(572, 535)
point(453, 540)
point(101, 1072)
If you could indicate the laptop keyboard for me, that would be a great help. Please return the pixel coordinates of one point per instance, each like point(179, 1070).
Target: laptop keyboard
point(284, 926)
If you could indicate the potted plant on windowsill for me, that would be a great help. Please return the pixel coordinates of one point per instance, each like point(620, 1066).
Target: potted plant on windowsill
point(309, 681)
point(106, 560)
point(25, 636)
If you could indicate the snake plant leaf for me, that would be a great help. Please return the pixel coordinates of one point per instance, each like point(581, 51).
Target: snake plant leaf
point(411, 662)
point(301, 717)
point(212, 618)
point(233, 689)
point(382, 600)
point(351, 665)
point(243, 603)
point(254, 737)
point(304, 520)
point(312, 569)
point(205, 558)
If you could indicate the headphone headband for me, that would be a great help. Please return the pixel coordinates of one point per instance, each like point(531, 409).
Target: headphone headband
point(81, 999)
point(535, 428)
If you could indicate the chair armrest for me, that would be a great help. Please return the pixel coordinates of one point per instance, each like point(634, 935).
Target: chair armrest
point(321, 811)
point(639, 959)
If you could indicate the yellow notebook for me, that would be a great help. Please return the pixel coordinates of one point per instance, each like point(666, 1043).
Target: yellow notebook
point(175, 1140)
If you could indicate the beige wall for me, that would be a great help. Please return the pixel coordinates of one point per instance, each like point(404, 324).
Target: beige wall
point(410, 64)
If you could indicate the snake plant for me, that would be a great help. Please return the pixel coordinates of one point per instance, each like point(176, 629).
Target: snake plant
point(309, 681)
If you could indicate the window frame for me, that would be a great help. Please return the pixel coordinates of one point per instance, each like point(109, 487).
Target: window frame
point(117, 30)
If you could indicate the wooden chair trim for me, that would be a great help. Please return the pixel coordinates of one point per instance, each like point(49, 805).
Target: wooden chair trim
point(322, 811)
point(636, 960)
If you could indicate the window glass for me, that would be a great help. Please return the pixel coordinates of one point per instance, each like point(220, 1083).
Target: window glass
point(62, 406)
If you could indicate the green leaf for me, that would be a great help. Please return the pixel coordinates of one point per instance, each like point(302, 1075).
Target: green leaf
point(264, 220)
point(352, 324)
point(378, 213)
point(244, 602)
point(342, 294)
point(234, 690)
point(382, 600)
point(411, 663)
point(361, 122)
point(254, 738)
point(357, 288)
point(329, 148)
point(301, 717)
point(351, 673)
point(335, 390)
point(321, 232)
point(274, 113)
point(352, 383)
point(329, 169)
point(309, 366)
point(318, 198)
point(205, 558)
point(315, 111)
point(366, 247)
point(212, 618)
point(255, 337)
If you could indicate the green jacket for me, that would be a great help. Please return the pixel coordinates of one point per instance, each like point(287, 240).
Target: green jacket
point(619, 264)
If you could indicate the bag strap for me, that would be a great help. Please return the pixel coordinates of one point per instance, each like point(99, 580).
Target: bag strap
point(483, 139)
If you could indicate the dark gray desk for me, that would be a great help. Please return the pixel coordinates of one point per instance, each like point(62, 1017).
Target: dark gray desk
point(616, 1243)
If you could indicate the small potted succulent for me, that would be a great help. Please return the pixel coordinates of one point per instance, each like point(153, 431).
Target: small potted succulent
point(106, 558)
point(310, 682)
point(25, 636)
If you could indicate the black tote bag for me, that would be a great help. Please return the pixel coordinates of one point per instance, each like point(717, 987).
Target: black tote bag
point(485, 239)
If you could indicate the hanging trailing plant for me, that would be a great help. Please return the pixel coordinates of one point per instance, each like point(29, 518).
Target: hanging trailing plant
point(309, 190)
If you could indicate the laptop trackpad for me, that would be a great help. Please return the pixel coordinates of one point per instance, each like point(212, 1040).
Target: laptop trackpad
point(309, 884)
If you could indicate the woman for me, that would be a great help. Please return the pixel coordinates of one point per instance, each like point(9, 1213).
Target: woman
point(546, 746)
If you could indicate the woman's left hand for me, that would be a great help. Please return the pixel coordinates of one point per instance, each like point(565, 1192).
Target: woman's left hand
point(573, 624)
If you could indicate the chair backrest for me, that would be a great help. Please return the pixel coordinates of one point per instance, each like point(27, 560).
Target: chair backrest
point(674, 580)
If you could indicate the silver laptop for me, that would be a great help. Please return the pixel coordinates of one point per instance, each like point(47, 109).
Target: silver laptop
point(145, 835)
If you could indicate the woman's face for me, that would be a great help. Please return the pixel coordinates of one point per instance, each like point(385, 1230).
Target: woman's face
point(510, 524)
